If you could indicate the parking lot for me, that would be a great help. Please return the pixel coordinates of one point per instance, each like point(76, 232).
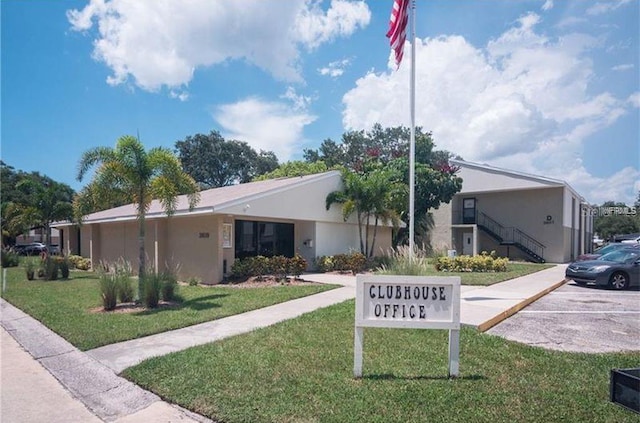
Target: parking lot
point(578, 319)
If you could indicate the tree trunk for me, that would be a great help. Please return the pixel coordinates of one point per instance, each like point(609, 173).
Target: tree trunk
point(362, 250)
point(141, 253)
point(375, 232)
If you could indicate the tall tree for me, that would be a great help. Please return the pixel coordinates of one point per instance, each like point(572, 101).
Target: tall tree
point(31, 200)
point(142, 176)
point(615, 218)
point(214, 162)
point(50, 202)
point(436, 179)
point(370, 196)
point(294, 168)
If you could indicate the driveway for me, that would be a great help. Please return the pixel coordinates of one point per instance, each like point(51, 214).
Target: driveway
point(578, 319)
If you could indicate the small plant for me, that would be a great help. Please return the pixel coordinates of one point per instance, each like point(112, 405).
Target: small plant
point(64, 268)
point(400, 262)
point(51, 267)
point(108, 290)
point(30, 268)
point(10, 259)
point(168, 288)
point(296, 266)
point(194, 281)
point(151, 295)
point(324, 263)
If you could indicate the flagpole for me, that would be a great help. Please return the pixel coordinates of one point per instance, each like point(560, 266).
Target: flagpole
point(412, 139)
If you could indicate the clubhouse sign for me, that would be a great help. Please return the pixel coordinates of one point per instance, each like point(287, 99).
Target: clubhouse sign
point(408, 302)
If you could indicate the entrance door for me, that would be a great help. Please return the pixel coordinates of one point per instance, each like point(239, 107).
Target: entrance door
point(467, 243)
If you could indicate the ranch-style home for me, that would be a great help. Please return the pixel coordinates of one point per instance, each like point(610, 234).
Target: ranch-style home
point(518, 215)
point(274, 217)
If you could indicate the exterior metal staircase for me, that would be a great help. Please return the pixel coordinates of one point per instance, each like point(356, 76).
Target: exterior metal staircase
point(511, 236)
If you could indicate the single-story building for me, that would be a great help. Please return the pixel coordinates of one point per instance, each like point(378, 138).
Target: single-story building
point(274, 217)
point(518, 215)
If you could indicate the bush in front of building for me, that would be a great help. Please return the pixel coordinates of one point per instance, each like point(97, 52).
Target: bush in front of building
point(259, 266)
point(352, 262)
point(79, 262)
point(9, 258)
point(484, 262)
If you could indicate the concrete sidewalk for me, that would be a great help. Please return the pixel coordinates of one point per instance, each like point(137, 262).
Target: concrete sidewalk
point(88, 382)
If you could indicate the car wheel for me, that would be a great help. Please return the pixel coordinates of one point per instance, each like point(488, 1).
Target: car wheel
point(619, 281)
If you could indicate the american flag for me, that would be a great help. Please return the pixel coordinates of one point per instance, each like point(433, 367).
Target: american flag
point(397, 33)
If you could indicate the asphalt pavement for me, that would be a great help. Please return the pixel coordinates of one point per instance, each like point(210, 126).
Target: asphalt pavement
point(577, 318)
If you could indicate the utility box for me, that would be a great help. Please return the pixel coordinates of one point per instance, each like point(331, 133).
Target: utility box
point(625, 388)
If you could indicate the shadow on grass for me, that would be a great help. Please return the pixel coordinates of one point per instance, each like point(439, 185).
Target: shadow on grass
point(390, 376)
point(197, 304)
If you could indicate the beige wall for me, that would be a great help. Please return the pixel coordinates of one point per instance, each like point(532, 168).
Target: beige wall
point(526, 210)
point(194, 243)
point(441, 232)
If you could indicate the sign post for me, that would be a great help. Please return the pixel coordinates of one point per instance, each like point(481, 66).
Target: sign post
point(414, 302)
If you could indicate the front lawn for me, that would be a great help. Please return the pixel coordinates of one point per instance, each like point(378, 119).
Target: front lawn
point(68, 307)
point(301, 371)
point(514, 270)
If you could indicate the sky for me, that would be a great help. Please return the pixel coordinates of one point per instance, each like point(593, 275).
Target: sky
point(546, 87)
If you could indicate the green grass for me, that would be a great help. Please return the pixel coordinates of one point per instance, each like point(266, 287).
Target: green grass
point(301, 371)
point(514, 270)
point(65, 307)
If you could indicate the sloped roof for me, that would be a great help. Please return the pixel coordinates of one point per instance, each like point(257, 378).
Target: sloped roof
point(210, 200)
point(503, 178)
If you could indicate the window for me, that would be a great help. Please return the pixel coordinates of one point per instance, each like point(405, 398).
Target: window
point(263, 239)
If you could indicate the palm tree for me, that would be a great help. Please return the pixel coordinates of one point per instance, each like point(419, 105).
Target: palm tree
point(142, 176)
point(370, 196)
point(49, 201)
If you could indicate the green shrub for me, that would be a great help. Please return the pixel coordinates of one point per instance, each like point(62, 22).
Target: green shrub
point(324, 263)
point(485, 262)
point(194, 281)
point(79, 262)
point(64, 267)
point(51, 267)
point(9, 259)
point(296, 266)
point(241, 268)
point(278, 267)
point(341, 262)
point(356, 262)
point(30, 268)
point(108, 290)
point(151, 295)
point(169, 285)
point(401, 262)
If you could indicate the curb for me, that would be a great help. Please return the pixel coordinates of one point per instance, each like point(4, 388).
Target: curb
point(483, 327)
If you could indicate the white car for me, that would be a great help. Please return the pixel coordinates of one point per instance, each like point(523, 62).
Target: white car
point(631, 241)
point(597, 241)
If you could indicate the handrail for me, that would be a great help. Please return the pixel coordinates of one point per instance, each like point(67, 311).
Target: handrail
point(512, 235)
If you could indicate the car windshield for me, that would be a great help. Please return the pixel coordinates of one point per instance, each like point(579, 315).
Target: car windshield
point(610, 248)
point(622, 256)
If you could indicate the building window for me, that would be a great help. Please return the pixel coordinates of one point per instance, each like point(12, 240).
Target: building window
point(263, 239)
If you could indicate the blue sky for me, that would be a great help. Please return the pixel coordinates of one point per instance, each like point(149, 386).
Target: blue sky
point(540, 86)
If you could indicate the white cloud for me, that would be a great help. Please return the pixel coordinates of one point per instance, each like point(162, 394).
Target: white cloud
point(634, 99)
point(313, 26)
point(624, 67)
point(162, 42)
point(334, 69)
point(521, 102)
point(548, 5)
point(606, 7)
point(265, 125)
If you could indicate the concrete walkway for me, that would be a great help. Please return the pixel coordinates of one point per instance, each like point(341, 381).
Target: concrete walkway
point(87, 383)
